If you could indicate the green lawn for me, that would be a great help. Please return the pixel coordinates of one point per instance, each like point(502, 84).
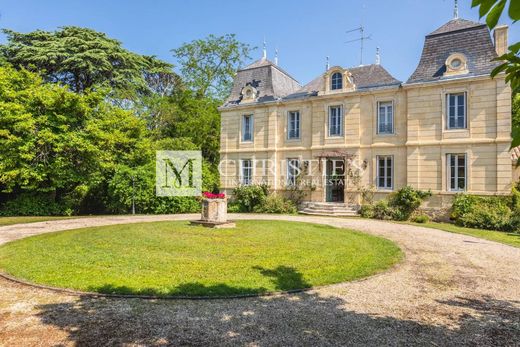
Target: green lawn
point(512, 239)
point(19, 220)
point(174, 258)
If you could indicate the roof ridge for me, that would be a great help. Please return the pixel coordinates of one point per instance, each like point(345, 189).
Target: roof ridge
point(455, 25)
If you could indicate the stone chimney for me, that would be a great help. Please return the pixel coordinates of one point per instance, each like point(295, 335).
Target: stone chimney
point(500, 37)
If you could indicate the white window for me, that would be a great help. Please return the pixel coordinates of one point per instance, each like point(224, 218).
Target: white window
point(385, 172)
point(385, 117)
point(336, 81)
point(246, 172)
point(247, 128)
point(293, 171)
point(456, 110)
point(457, 172)
point(293, 125)
point(335, 121)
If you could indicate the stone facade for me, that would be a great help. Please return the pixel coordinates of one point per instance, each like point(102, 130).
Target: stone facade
point(420, 143)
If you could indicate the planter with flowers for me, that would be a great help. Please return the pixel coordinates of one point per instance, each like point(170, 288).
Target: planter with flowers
point(214, 211)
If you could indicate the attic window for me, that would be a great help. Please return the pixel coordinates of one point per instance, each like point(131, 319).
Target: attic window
point(249, 93)
point(336, 81)
point(456, 64)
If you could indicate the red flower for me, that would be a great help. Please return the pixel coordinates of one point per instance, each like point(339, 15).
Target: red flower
point(209, 195)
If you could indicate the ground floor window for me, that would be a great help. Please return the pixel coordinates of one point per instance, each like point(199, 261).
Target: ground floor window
point(457, 171)
point(246, 175)
point(385, 172)
point(293, 171)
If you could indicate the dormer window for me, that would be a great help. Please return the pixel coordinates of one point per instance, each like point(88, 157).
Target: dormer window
point(249, 94)
point(456, 64)
point(336, 81)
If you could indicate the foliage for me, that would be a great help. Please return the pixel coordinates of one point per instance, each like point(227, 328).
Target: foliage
point(197, 119)
point(406, 200)
point(398, 206)
point(82, 59)
point(492, 213)
point(421, 218)
point(496, 218)
point(138, 184)
point(174, 258)
point(94, 118)
point(276, 204)
point(249, 196)
point(34, 204)
point(493, 9)
point(208, 65)
point(61, 143)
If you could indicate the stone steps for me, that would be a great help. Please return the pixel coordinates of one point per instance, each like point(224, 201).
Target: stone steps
point(329, 209)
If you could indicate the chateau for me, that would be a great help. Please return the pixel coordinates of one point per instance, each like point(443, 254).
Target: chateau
point(447, 128)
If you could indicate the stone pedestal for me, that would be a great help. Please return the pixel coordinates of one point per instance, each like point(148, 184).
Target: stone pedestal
point(214, 214)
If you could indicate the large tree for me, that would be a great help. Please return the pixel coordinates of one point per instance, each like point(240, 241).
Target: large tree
point(209, 65)
point(53, 141)
point(83, 58)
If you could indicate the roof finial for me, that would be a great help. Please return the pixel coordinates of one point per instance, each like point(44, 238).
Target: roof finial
point(276, 56)
point(264, 54)
point(456, 10)
point(378, 56)
point(327, 65)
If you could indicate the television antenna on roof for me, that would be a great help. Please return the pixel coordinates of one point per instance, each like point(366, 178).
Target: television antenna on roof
point(361, 39)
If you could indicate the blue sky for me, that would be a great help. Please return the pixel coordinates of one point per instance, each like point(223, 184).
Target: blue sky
point(305, 32)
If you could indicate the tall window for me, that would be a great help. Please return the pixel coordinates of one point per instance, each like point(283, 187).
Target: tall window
point(293, 125)
point(457, 172)
point(456, 110)
point(336, 81)
point(385, 117)
point(335, 121)
point(247, 128)
point(385, 171)
point(246, 177)
point(293, 171)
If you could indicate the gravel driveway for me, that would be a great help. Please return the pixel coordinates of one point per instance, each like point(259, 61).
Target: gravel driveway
point(450, 290)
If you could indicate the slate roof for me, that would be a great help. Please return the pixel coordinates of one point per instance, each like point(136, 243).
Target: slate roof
point(457, 36)
point(270, 81)
point(364, 77)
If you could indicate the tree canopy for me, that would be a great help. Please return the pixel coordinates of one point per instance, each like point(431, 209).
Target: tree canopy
point(83, 58)
point(209, 65)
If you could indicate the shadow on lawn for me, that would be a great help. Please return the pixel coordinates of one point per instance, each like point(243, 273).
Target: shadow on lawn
point(301, 319)
point(284, 278)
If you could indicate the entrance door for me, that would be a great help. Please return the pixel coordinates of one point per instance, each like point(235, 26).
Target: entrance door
point(335, 180)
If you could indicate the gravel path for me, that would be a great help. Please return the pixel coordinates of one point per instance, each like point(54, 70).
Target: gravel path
point(450, 290)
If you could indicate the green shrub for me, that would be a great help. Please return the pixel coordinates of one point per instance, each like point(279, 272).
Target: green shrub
point(421, 218)
point(276, 204)
point(406, 200)
point(367, 211)
point(462, 204)
point(485, 217)
point(247, 197)
point(233, 207)
point(139, 184)
point(399, 205)
point(492, 213)
point(34, 204)
point(515, 200)
point(382, 210)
